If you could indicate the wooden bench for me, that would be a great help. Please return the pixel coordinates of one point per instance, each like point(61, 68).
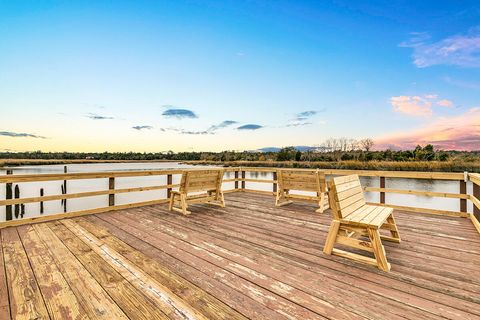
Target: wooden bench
point(356, 224)
point(207, 186)
point(301, 180)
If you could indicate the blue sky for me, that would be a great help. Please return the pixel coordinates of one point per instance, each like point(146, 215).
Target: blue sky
point(218, 75)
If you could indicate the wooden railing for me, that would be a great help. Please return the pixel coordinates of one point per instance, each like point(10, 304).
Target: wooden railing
point(240, 184)
point(382, 190)
point(9, 179)
point(475, 198)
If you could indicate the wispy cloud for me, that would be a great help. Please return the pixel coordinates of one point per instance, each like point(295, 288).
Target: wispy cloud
point(458, 50)
point(298, 124)
point(20, 135)
point(142, 128)
point(195, 132)
point(211, 130)
point(222, 125)
point(95, 116)
point(302, 118)
point(179, 113)
point(462, 83)
point(306, 114)
point(418, 106)
point(250, 127)
point(460, 132)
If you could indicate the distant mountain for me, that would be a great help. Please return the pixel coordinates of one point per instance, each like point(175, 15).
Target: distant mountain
point(299, 148)
point(268, 149)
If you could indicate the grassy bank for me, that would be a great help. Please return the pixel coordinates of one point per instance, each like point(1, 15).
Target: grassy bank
point(441, 166)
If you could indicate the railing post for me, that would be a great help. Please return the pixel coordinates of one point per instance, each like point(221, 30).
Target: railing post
point(243, 181)
point(41, 202)
point(8, 196)
point(111, 186)
point(275, 184)
point(463, 190)
point(169, 182)
point(382, 185)
point(17, 196)
point(476, 194)
point(64, 201)
point(236, 177)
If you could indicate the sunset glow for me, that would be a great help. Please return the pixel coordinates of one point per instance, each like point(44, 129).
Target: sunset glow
point(232, 75)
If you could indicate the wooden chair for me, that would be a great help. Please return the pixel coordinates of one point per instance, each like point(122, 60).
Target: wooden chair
point(356, 224)
point(301, 180)
point(207, 186)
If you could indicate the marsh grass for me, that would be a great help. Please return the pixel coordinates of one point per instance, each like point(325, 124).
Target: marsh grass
point(440, 166)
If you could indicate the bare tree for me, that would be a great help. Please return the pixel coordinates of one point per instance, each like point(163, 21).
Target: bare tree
point(366, 144)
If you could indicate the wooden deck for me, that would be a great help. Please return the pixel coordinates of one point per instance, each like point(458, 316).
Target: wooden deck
point(249, 260)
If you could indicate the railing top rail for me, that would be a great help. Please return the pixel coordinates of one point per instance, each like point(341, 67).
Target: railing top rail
point(475, 178)
point(83, 175)
point(139, 173)
point(373, 173)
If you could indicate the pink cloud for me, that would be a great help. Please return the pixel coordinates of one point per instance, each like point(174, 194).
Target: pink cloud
point(445, 103)
point(461, 132)
point(412, 105)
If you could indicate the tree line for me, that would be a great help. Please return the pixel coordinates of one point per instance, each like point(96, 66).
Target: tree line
point(332, 150)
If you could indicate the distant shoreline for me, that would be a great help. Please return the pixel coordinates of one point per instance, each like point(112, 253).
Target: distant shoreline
point(439, 166)
point(8, 163)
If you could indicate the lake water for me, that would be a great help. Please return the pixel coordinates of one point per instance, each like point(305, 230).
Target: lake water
point(32, 189)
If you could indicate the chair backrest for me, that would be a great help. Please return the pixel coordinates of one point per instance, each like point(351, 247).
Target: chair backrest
point(201, 180)
point(302, 180)
point(346, 195)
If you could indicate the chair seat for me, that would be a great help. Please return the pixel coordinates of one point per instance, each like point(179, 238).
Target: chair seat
point(368, 215)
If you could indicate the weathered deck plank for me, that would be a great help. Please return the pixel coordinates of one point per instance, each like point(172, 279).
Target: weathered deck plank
point(199, 299)
point(258, 293)
point(4, 301)
point(26, 300)
point(94, 300)
point(130, 300)
point(289, 277)
point(197, 273)
point(343, 287)
point(59, 298)
point(249, 260)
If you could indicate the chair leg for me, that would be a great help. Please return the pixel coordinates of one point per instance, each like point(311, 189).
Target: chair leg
point(331, 237)
point(321, 203)
point(277, 199)
point(282, 198)
point(326, 204)
point(183, 199)
point(222, 199)
point(394, 230)
point(378, 250)
point(172, 199)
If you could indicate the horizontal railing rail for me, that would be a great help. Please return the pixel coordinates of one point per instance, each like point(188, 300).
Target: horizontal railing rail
point(240, 184)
